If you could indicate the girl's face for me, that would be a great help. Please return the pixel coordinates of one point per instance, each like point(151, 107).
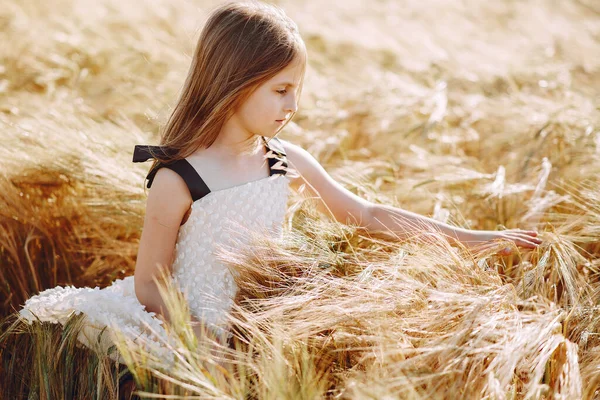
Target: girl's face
point(270, 106)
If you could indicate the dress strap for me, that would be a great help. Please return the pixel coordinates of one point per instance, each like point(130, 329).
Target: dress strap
point(278, 162)
point(183, 168)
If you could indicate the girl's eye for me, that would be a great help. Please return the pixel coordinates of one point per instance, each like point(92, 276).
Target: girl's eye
point(282, 91)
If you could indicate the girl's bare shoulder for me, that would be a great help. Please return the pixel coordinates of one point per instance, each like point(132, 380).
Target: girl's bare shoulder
point(169, 197)
point(292, 151)
point(297, 158)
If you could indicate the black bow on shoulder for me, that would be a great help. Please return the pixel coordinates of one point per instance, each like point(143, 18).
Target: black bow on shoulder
point(144, 152)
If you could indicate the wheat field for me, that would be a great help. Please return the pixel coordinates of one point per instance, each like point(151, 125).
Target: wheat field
point(484, 115)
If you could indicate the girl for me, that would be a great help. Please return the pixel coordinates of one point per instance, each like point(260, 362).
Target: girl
point(209, 178)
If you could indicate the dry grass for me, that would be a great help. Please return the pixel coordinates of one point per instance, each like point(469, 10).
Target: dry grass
point(480, 114)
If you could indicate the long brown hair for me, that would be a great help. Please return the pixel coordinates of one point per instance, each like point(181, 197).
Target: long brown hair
point(242, 45)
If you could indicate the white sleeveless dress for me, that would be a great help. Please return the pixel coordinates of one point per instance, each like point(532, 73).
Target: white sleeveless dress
point(216, 219)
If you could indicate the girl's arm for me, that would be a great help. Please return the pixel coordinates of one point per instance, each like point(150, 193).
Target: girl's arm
point(346, 207)
point(166, 205)
point(403, 223)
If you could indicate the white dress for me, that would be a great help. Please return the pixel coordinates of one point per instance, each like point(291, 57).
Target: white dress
point(215, 220)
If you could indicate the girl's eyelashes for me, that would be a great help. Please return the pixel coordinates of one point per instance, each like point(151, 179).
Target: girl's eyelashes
point(282, 91)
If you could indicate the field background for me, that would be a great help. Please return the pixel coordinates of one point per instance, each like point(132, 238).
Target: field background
point(481, 114)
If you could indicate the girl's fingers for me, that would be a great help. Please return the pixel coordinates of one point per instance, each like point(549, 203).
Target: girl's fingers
point(524, 241)
point(532, 233)
point(525, 236)
point(535, 241)
point(527, 244)
point(520, 232)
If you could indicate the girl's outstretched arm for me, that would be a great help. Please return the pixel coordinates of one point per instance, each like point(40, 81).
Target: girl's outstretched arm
point(405, 223)
point(346, 207)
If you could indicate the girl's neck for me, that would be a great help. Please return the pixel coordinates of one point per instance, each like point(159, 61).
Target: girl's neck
point(237, 148)
point(234, 140)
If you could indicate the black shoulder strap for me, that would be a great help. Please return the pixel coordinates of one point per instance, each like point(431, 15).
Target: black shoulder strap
point(194, 182)
point(279, 156)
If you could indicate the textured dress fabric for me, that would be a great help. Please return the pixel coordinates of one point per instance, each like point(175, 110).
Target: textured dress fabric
point(219, 219)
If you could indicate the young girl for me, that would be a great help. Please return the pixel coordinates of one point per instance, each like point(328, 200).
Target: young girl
point(210, 178)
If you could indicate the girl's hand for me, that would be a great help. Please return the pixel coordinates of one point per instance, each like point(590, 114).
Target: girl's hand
point(521, 238)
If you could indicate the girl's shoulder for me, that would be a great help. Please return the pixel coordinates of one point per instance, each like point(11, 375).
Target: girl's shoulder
point(172, 187)
point(308, 169)
point(292, 152)
point(169, 198)
point(289, 149)
point(179, 173)
point(296, 155)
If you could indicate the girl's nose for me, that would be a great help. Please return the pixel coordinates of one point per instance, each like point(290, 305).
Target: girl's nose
point(291, 106)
